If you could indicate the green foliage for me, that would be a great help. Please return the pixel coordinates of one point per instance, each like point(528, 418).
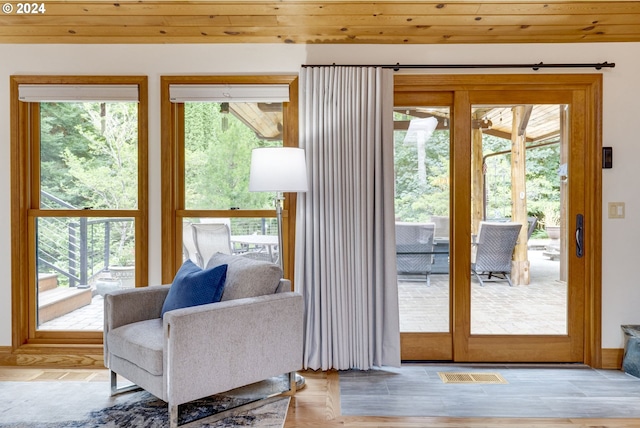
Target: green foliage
point(106, 175)
point(542, 181)
point(218, 160)
point(89, 155)
point(61, 128)
point(89, 158)
point(418, 198)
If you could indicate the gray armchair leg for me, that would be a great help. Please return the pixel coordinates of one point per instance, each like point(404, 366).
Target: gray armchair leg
point(114, 385)
point(173, 416)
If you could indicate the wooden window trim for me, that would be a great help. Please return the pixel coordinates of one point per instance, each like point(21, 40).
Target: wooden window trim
point(172, 164)
point(62, 347)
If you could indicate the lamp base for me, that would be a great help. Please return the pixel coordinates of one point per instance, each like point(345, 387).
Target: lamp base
point(300, 382)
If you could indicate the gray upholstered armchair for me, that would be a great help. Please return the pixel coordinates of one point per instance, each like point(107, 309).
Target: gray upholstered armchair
point(253, 334)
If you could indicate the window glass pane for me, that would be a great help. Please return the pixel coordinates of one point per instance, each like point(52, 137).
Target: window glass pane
point(219, 138)
point(89, 155)
point(255, 238)
point(519, 155)
point(78, 260)
point(422, 147)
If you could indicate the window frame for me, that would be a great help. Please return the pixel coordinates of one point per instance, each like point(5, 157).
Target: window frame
point(172, 184)
point(25, 210)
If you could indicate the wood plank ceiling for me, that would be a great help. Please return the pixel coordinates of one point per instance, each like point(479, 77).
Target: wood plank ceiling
point(329, 21)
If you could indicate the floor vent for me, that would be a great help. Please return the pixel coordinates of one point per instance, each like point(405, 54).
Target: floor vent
point(456, 377)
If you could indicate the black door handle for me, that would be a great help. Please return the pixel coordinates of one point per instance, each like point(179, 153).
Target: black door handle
point(579, 235)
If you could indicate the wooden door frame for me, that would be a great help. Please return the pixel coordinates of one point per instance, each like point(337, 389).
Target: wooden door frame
point(588, 86)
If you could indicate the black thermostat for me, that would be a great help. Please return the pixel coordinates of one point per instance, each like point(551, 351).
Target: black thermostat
point(607, 157)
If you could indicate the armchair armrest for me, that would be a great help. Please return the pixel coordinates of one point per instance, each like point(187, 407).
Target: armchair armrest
point(284, 286)
point(242, 341)
point(132, 305)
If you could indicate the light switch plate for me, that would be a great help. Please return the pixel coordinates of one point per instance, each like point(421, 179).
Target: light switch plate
point(616, 209)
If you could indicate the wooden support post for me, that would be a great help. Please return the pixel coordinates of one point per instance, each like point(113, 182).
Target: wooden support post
point(477, 180)
point(520, 269)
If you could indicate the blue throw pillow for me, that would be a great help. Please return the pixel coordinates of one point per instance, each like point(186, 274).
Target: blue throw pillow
point(193, 286)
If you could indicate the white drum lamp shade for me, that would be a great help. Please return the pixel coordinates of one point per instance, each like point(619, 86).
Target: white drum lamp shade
point(278, 169)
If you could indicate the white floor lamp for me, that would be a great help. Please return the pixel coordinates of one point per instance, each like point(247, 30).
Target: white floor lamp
point(280, 170)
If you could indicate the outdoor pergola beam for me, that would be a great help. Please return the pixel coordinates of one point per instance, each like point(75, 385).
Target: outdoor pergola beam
point(524, 122)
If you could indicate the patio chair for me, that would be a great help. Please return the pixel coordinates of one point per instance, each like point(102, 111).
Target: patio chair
point(440, 244)
point(414, 248)
point(211, 238)
point(532, 222)
point(189, 250)
point(442, 226)
point(494, 251)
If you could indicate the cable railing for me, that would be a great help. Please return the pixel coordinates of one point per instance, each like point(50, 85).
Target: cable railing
point(77, 248)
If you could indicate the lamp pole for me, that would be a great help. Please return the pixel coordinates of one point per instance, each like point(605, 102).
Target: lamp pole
point(279, 200)
point(279, 169)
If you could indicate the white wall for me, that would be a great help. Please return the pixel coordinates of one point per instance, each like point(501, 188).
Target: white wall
point(621, 289)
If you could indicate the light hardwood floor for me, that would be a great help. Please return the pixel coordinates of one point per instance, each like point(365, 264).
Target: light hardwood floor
point(318, 405)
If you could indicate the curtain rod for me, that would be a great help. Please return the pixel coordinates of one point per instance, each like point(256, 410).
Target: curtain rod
point(398, 66)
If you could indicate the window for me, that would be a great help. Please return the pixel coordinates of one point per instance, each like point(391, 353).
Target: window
point(79, 201)
point(212, 125)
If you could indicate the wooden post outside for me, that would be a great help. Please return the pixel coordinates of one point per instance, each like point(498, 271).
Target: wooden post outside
point(520, 274)
point(477, 180)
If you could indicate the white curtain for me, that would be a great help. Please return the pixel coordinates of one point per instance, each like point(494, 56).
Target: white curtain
point(345, 249)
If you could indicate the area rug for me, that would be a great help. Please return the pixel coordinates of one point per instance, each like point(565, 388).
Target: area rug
point(88, 405)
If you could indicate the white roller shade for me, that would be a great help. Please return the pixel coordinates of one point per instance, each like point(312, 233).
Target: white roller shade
point(229, 93)
point(77, 93)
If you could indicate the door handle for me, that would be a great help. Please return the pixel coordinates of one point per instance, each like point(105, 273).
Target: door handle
point(579, 235)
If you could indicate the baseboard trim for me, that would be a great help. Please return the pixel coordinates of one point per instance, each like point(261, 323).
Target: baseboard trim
point(85, 356)
point(612, 358)
point(92, 357)
point(6, 356)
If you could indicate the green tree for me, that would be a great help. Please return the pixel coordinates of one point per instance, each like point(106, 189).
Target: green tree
point(218, 160)
point(106, 175)
point(61, 130)
point(418, 199)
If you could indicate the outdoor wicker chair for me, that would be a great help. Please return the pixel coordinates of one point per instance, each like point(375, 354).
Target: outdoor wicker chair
point(414, 248)
point(494, 251)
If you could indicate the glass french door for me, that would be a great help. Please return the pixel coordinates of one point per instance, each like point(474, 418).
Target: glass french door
point(422, 145)
point(507, 170)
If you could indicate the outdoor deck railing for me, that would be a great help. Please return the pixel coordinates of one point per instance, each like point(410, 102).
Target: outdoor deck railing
point(77, 249)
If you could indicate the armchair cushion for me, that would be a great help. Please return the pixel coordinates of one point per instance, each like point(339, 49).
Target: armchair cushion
point(141, 343)
point(247, 277)
point(193, 286)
